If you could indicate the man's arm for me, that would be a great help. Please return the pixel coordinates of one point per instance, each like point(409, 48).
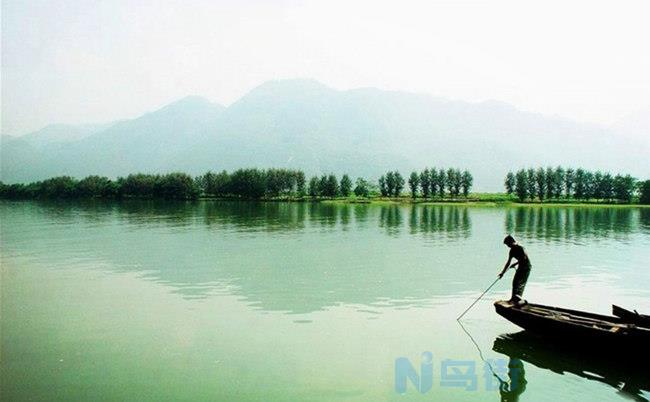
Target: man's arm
point(505, 267)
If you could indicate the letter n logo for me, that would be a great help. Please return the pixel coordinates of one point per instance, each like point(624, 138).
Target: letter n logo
point(404, 370)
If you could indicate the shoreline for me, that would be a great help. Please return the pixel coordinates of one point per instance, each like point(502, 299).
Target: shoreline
point(490, 200)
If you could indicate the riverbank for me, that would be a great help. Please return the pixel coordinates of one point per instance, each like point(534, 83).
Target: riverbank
point(478, 199)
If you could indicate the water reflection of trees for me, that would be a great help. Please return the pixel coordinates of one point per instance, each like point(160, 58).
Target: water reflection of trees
point(451, 221)
point(556, 223)
point(630, 376)
point(200, 258)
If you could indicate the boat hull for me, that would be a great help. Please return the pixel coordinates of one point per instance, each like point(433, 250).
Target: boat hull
point(576, 327)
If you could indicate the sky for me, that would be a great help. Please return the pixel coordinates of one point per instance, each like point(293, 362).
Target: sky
point(83, 61)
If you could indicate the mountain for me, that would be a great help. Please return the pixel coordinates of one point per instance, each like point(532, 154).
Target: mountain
point(56, 133)
point(304, 124)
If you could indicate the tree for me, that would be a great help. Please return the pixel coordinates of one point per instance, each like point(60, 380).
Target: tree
point(137, 185)
point(532, 183)
point(332, 186)
point(589, 185)
point(644, 192)
point(558, 181)
point(451, 181)
point(466, 182)
point(540, 181)
point(425, 183)
point(346, 186)
point(383, 187)
point(362, 188)
point(607, 188)
point(414, 183)
point(521, 184)
point(580, 184)
point(399, 183)
point(322, 186)
point(550, 182)
point(390, 183)
point(442, 182)
point(216, 184)
point(569, 181)
point(312, 188)
point(598, 187)
point(624, 187)
point(433, 181)
point(509, 183)
point(176, 186)
point(58, 187)
point(300, 183)
point(248, 183)
point(95, 186)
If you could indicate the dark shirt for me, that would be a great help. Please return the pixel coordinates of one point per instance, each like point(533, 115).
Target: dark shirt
point(518, 252)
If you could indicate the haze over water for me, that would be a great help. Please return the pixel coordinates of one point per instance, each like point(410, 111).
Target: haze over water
point(300, 301)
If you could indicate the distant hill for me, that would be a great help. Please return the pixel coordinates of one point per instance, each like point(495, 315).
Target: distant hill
point(304, 124)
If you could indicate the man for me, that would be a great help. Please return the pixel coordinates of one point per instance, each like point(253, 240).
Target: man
point(523, 269)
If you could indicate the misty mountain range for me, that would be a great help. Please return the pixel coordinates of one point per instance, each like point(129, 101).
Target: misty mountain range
point(304, 124)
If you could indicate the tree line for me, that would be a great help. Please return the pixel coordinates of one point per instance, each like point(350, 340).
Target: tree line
point(428, 183)
point(250, 183)
point(578, 184)
point(171, 185)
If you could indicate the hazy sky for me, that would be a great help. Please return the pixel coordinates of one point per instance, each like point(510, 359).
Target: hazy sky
point(94, 61)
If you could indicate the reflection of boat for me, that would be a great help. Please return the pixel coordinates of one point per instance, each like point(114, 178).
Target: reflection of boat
point(579, 327)
point(628, 375)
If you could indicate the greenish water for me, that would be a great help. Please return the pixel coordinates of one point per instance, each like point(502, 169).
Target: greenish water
point(293, 301)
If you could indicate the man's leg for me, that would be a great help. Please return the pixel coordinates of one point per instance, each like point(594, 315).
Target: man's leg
point(519, 283)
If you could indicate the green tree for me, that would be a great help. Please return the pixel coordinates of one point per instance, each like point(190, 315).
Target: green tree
point(137, 185)
point(509, 183)
point(176, 186)
point(216, 184)
point(624, 187)
point(313, 187)
point(300, 183)
point(442, 182)
point(383, 186)
point(644, 192)
point(433, 181)
point(390, 183)
point(96, 186)
point(598, 186)
point(532, 183)
point(589, 185)
point(414, 183)
point(346, 186)
point(607, 187)
point(550, 182)
point(322, 186)
point(451, 181)
point(425, 183)
point(521, 184)
point(58, 187)
point(399, 183)
point(332, 186)
point(467, 180)
point(540, 182)
point(362, 188)
point(558, 181)
point(569, 182)
point(580, 180)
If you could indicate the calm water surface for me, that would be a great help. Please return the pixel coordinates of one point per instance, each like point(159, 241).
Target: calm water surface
point(278, 301)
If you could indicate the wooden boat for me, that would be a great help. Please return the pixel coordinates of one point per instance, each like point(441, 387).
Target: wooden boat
point(631, 316)
point(578, 327)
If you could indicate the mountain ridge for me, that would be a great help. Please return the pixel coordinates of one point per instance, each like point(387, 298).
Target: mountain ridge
point(305, 124)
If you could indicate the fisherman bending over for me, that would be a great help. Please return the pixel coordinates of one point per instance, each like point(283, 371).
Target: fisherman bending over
point(523, 269)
